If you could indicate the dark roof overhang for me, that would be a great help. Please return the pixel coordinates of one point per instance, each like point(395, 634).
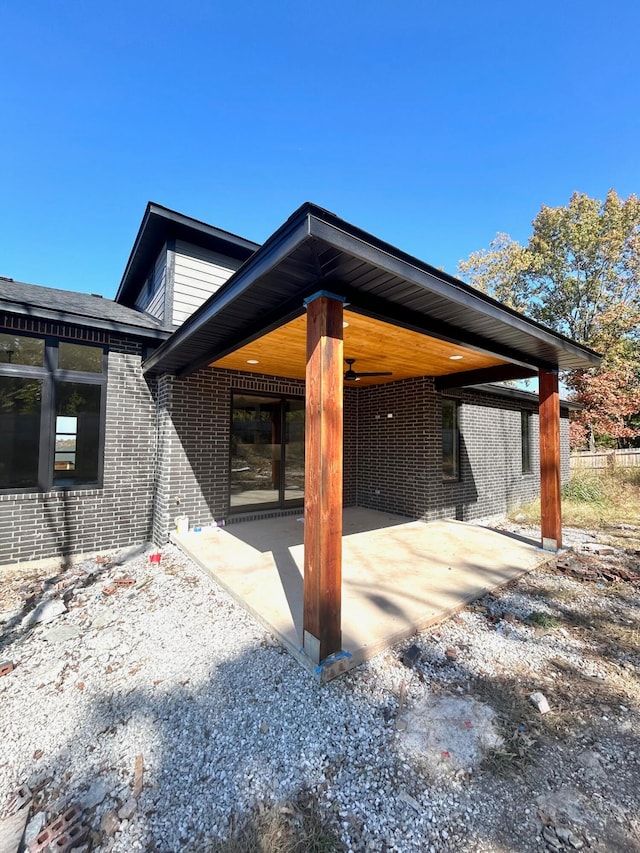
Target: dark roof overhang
point(161, 225)
point(521, 395)
point(314, 249)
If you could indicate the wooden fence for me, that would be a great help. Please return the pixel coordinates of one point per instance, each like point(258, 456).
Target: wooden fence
point(606, 459)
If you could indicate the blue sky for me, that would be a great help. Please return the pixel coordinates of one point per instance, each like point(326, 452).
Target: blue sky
point(432, 125)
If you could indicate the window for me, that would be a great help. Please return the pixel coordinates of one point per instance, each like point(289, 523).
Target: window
point(52, 401)
point(450, 441)
point(525, 433)
point(20, 415)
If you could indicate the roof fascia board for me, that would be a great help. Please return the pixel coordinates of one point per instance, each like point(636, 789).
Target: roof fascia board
point(447, 289)
point(172, 216)
point(80, 320)
point(469, 378)
point(203, 227)
point(134, 251)
point(275, 250)
point(520, 394)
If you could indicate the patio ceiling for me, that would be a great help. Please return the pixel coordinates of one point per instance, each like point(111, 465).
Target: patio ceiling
point(376, 346)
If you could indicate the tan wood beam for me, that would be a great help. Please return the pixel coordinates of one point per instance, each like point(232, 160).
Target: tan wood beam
point(550, 501)
point(322, 629)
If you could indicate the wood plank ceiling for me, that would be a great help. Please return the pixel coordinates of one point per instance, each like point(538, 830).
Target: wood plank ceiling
point(374, 344)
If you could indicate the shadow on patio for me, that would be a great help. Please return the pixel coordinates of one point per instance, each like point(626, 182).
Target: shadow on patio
point(398, 575)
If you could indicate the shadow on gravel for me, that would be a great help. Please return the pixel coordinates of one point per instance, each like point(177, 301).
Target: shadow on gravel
point(260, 747)
point(235, 760)
point(40, 590)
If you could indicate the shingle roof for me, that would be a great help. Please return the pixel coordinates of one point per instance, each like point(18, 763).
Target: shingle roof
point(82, 309)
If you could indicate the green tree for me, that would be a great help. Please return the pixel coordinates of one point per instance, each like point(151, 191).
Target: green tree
point(580, 275)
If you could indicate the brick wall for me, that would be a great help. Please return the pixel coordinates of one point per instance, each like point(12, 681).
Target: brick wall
point(400, 453)
point(193, 448)
point(392, 457)
point(392, 449)
point(37, 525)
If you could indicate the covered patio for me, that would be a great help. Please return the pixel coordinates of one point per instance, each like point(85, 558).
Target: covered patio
point(319, 295)
point(398, 576)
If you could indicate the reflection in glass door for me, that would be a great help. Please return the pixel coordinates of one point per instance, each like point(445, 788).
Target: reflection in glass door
point(267, 451)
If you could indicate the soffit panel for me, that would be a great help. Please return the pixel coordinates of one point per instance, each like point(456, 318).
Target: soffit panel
point(374, 344)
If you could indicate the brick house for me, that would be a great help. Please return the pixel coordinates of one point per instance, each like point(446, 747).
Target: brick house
point(186, 395)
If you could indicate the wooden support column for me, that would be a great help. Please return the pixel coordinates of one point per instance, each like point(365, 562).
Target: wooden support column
point(323, 478)
point(550, 503)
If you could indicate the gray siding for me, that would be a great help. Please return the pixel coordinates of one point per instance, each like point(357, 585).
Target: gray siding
point(198, 274)
point(152, 297)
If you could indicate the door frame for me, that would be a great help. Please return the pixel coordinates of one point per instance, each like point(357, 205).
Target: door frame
point(281, 504)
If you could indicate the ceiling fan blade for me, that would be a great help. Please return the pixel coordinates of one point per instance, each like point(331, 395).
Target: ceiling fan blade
point(352, 375)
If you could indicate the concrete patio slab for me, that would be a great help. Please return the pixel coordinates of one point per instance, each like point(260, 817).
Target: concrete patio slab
point(399, 576)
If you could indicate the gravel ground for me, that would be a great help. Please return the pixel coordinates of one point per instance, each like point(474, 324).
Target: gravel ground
point(169, 668)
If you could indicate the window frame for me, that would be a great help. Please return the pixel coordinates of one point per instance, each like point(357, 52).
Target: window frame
point(50, 374)
point(455, 405)
point(526, 466)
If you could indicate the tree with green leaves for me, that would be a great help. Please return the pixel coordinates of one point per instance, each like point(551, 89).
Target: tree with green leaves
point(579, 274)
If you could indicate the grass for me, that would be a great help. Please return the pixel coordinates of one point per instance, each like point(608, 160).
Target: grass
point(543, 620)
point(294, 827)
point(596, 500)
point(519, 724)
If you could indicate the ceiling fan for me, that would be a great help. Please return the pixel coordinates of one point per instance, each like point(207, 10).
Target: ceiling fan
point(352, 376)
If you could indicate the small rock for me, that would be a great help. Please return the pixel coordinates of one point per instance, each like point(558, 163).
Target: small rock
point(95, 795)
point(45, 612)
point(411, 656)
point(103, 618)
point(451, 653)
point(410, 801)
point(127, 811)
point(576, 842)
point(62, 633)
point(34, 828)
point(563, 833)
point(109, 823)
point(539, 700)
point(551, 838)
point(589, 760)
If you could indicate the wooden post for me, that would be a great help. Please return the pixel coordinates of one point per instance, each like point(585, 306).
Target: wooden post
point(550, 503)
point(322, 634)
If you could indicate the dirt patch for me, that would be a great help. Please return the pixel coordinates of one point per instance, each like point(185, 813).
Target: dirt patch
point(449, 733)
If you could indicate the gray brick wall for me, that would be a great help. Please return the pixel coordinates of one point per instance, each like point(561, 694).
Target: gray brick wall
point(37, 525)
point(193, 448)
point(400, 453)
point(392, 456)
point(392, 449)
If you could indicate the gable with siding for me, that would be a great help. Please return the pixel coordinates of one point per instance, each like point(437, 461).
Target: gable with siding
point(152, 296)
point(198, 273)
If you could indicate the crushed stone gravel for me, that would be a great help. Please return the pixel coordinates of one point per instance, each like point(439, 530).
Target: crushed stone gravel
point(155, 660)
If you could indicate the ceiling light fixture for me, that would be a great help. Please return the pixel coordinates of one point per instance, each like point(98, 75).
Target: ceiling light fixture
point(345, 324)
point(252, 361)
point(455, 357)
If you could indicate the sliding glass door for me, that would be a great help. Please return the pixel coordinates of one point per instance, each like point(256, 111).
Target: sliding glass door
point(267, 452)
